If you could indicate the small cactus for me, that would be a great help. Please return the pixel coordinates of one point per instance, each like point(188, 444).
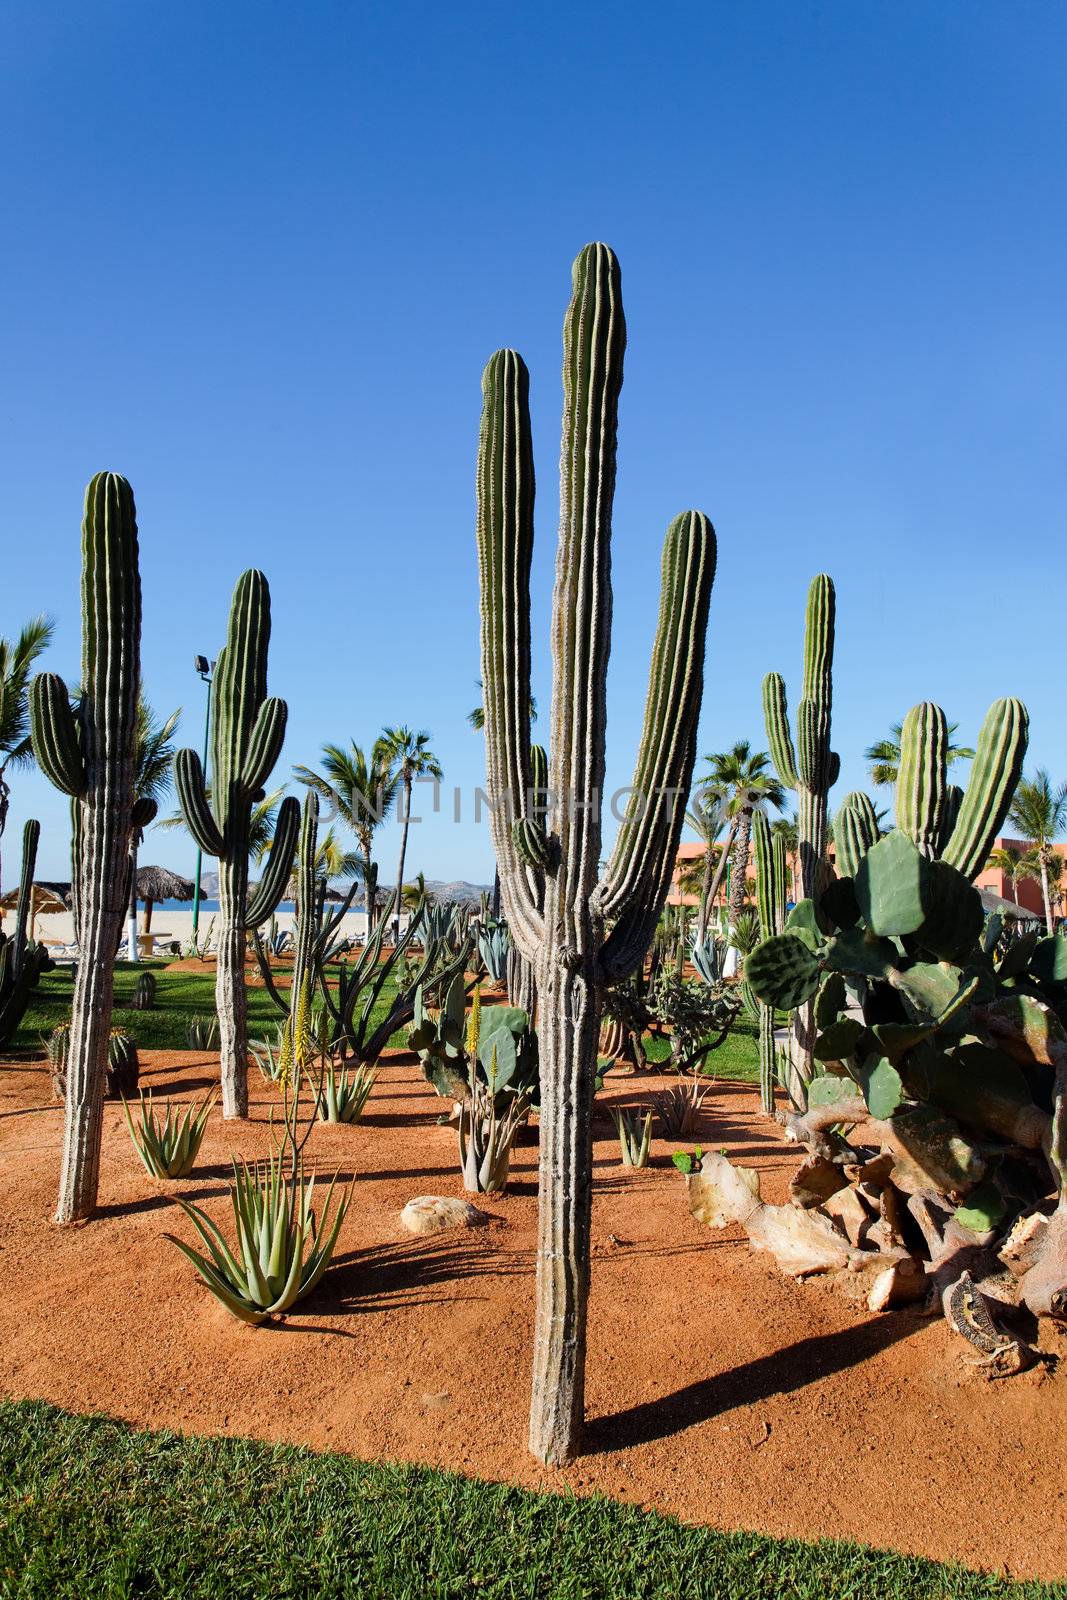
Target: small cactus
point(123, 1066)
point(144, 994)
point(22, 960)
point(635, 1134)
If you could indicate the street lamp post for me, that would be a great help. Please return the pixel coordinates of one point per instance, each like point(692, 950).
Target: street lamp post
point(204, 669)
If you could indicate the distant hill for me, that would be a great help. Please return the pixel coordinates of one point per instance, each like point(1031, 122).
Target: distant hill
point(461, 892)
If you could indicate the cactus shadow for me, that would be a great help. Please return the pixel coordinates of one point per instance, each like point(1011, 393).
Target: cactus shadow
point(379, 1279)
point(782, 1372)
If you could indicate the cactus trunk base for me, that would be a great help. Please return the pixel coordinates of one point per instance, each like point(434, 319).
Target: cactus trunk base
point(230, 999)
point(87, 1065)
point(766, 1059)
point(569, 1025)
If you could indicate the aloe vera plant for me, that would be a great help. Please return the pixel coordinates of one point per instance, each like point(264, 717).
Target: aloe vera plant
point(635, 1134)
point(487, 1133)
point(283, 1247)
point(343, 1094)
point(168, 1146)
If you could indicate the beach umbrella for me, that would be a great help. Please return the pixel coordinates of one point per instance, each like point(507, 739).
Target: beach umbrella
point(44, 902)
point(159, 883)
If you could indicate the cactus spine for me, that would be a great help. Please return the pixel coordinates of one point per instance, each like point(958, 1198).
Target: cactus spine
point(247, 732)
point(811, 768)
point(91, 757)
point(855, 831)
point(579, 933)
point(995, 773)
point(770, 902)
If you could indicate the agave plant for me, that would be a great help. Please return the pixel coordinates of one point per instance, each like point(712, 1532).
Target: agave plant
point(679, 1107)
point(486, 1134)
point(267, 1056)
point(635, 1134)
point(343, 1094)
point(202, 1033)
point(168, 1147)
point(283, 1248)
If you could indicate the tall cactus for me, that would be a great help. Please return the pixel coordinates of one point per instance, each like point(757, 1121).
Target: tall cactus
point(248, 728)
point(770, 903)
point(89, 754)
point(947, 823)
point(22, 959)
point(810, 767)
point(579, 932)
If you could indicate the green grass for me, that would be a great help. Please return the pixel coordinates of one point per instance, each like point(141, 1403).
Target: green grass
point(736, 1058)
point(180, 996)
point(92, 1509)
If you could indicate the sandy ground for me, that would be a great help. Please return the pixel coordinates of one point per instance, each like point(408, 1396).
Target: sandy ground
point(717, 1389)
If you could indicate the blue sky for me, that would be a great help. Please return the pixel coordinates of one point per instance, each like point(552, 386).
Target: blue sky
point(255, 257)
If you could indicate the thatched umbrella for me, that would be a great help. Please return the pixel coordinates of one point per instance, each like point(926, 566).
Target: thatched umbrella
point(159, 883)
point(44, 901)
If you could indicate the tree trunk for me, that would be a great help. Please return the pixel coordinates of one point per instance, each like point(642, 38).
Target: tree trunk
point(131, 922)
point(369, 890)
point(99, 859)
point(403, 853)
point(720, 872)
point(569, 1007)
point(230, 999)
point(1045, 893)
point(740, 867)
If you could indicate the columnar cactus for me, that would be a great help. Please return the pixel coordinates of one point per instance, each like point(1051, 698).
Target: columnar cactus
point(22, 959)
point(89, 754)
point(855, 831)
point(247, 733)
point(770, 903)
point(580, 933)
point(810, 767)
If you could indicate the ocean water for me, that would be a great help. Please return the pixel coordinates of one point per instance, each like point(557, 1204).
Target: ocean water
point(205, 905)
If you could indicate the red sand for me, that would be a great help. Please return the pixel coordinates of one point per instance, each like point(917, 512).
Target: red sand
point(717, 1389)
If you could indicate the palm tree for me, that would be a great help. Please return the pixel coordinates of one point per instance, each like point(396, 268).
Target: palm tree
point(1039, 812)
point(476, 717)
point(707, 818)
point(153, 760)
point(361, 790)
point(746, 782)
point(884, 755)
point(1015, 865)
point(16, 660)
point(409, 757)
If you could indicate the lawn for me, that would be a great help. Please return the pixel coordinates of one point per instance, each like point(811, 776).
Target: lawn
point(89, 1506)
point(180, 996)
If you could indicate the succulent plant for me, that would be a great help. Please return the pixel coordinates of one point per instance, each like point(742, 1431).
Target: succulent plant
point(58, 1047)
point(283, 1247)
point(679, 1107)
point(22, 959)
point(580, 934)
point(770, 900)
point(635, 1134)
point(144, 993)
point(168, 1146)
point(438, 1040)
point(89, 755)
point(486, 1133)
point(248, 728)
point(318, 934)
point(809, 766)
point(344, 1092)
point(494, 942)
point(202, 1033)
point(707, 955)
point(123, 1066)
